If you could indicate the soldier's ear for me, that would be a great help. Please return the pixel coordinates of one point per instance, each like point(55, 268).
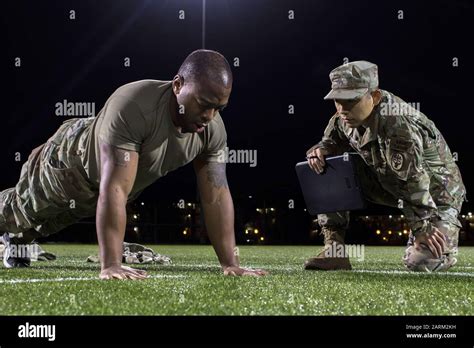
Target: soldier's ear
point(376, 96)
point(178, 82)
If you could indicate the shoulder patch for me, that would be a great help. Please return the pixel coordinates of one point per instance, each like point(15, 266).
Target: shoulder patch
point(397, 161)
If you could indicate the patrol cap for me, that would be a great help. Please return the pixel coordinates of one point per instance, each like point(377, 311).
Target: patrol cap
point(353, 80)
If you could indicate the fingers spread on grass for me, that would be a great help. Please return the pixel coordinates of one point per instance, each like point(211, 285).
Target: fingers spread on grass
point(136, 272)
point(136, 275)
point(260, 272)
point(254, 272)
point(250, 274)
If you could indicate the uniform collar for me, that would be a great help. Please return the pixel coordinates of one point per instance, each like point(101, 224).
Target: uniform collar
point(370, 133)
point(371, 128)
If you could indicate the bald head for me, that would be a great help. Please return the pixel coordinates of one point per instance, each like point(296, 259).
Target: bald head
point(201, 90)
point(206, 66)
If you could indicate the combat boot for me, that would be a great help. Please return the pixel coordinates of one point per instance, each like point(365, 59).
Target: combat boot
point(328, 259)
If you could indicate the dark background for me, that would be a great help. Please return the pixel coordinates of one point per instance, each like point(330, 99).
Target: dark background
point(282, 62)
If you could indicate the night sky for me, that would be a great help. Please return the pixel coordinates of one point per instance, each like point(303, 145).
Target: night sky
point(282, 62)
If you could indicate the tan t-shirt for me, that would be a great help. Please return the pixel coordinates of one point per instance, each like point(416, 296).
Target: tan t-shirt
point(136, 117)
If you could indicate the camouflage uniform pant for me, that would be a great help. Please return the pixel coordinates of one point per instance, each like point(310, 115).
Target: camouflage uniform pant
point(53, 191)
point(334, 225)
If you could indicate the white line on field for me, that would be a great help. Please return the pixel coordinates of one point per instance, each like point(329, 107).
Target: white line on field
point(280, 268)
point(377, 271)
point(45, 280)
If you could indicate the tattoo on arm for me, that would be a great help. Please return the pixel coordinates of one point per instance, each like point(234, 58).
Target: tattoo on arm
point(216, 175)
point(121, 157)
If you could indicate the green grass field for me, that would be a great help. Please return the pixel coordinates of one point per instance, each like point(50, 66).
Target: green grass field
point(194, 285)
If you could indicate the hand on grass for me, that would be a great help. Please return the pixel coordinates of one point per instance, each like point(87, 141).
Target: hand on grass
point(241, 271)
point(122, 272)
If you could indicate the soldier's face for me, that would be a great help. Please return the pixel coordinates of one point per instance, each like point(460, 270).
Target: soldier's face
point(354, 112)
point(198, 103)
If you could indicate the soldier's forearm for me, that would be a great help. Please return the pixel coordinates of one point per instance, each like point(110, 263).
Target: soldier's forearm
point(218, 209)
point(219, 217)
point(111, 220)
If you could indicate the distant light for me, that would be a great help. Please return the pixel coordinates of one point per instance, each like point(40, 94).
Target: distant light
point(248, 240)
point(246, 232)
point(189, 215)
point(390, 216)
point(405, 232)
point(143, 203)
point(464, 216)
point(250, 196)
point(400, 233)
point(259, 210)
point(136, 229)
point(189, 204)
point(378, 232)
point(385, 238)
point(255, 231)
point(367, 217)
point(402, 216)
point(272, 209)
point(261, 238)
point(304, 209)
point(389, 232)
point(469, 214)
point(135, 216)
point(185, 232)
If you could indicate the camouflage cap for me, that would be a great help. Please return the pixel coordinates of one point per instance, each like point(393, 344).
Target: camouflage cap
point(353, 80)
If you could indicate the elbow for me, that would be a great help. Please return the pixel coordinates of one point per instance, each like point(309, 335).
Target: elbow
point(112, 192)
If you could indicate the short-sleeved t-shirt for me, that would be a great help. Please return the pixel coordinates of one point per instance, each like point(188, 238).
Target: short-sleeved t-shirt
point(137, 117)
